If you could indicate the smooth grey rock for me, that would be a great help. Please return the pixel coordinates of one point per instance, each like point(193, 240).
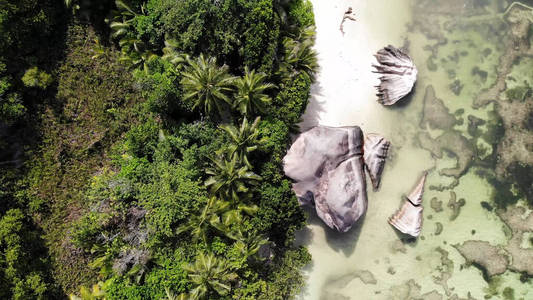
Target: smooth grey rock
point(398, 74)
point(375, 153)
point(327, 165)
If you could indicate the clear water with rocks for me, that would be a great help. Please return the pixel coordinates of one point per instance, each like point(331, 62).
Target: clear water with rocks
point(468, 122)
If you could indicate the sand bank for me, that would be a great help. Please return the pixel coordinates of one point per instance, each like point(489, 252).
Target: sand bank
point(344, 88)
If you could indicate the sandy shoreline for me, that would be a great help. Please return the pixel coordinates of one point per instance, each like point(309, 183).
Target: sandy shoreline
point(345, 83)
point(370, 261)
point(343, 95)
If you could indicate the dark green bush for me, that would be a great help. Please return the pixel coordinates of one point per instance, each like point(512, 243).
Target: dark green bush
point(279, 212)
point(291, 101)
point(161, 89)
point(301, 13)
point(23, 264)
point(36, 78)
point(141, 140)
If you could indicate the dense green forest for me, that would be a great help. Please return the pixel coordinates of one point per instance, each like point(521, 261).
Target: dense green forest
point(141, 146)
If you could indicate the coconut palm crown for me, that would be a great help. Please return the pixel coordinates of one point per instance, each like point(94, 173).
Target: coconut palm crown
point(251, 97)
point(229, 179)
point(244, 139)
point(207, 85)
point(209, 274)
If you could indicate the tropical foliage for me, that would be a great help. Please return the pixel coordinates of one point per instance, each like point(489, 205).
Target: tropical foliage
point(229, 178)
point(209, 275)
point(207, 85)
point(152, 136)
point(198, 225)
point(251, 96)
point(244, 140)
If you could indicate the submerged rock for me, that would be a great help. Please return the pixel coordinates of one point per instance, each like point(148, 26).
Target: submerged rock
point(327, 165)
point(438, 228)
point(455, 205)
point(398, 74)
point(511, 255)
point(454, 143)
point(492, 259)
point(520, 221)
point(411, 290)
point(436, 204)
point(375, 153)
point(435, 113)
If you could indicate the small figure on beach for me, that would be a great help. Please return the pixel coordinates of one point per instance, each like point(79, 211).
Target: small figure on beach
point(348, 14)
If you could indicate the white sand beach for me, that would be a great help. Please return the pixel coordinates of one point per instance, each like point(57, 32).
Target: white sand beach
point(345, 83)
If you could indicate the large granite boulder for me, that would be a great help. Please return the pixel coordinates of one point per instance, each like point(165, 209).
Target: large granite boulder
point(398, 74)
point(327, 165)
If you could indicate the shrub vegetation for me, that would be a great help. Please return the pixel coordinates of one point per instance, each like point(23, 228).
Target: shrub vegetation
point(154, 167)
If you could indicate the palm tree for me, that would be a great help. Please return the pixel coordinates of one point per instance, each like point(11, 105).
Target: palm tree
point(229, 179)
point(228, 224)
point(207, 84)
point(251, 95)
point(198, 225)
point(244, 140)
point(299, 57)
point(171, 296)
point(134, 51)
point(250, 244)
point(120, 28)
point(135, 54)
point(68, 3)
point(122, 19)
point(173, 55)
point(209, 274)
point(307, 34)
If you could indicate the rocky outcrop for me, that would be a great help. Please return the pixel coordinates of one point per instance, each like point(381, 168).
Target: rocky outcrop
point(375, 153)
point(327, 165)
point(408, 219)
point(514, 255)
point(398, 74)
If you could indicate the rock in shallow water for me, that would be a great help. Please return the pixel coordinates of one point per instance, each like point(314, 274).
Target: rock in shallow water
point(408, 219)
point(492, 258)
point(327, 165)
point(375, 153)
point(398, 74)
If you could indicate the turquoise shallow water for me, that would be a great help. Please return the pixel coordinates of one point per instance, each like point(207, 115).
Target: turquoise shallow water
point(468, 122)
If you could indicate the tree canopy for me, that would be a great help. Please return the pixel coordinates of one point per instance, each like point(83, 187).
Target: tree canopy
point(152, 136)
